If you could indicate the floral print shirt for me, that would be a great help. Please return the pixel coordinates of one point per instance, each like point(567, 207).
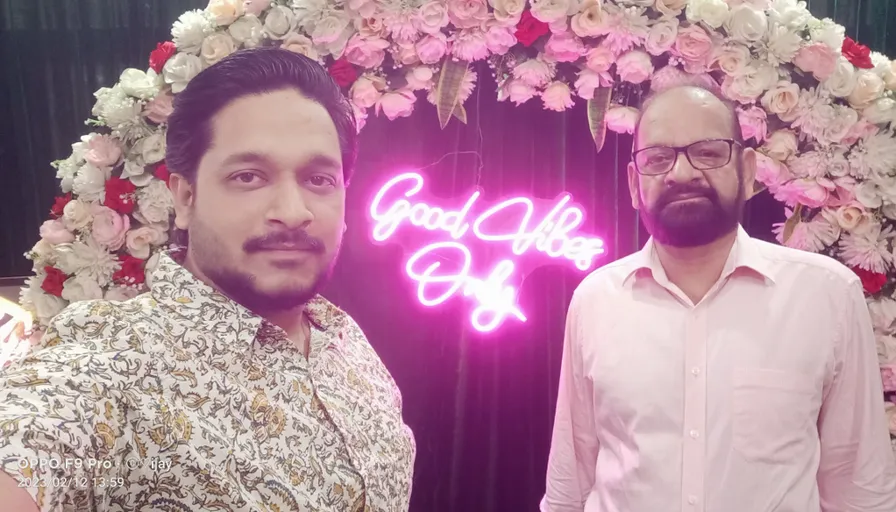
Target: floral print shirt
point(181, 400)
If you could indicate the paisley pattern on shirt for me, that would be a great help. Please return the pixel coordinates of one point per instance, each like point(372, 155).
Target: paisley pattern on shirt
point(182, 400)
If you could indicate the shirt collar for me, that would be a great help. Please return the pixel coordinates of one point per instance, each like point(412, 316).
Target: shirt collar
point(195, 303)
point(745, 254)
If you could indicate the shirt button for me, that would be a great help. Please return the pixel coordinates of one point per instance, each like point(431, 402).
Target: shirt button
point(695, 371)
point(695, 434)
point(692, 500)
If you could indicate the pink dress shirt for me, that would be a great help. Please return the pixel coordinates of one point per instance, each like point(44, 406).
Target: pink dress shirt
point(764, 397)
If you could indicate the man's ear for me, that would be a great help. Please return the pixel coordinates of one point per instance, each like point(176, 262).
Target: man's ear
point(633, 184)
point(184, 195)
point(749, 172)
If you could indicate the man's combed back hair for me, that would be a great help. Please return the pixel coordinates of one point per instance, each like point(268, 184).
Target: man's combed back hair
point(251, 72)
point(737, 133)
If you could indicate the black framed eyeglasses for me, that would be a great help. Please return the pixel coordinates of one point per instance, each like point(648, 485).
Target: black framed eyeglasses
point(703, 155)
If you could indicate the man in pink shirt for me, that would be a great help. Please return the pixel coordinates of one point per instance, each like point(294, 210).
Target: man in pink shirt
point(711, 371)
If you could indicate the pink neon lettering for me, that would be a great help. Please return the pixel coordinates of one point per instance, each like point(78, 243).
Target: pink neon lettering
point(496, 299)
point(552, 236)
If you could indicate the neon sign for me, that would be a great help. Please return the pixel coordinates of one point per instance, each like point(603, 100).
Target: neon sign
point(554, 236)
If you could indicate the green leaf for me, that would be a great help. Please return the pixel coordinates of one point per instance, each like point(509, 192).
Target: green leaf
point(597, 113)
point(791, 223)
point(450, 79)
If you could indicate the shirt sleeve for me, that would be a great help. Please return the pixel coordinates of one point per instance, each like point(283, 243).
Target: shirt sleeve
point(572, 463)
point(857, 472)
point(57, 423)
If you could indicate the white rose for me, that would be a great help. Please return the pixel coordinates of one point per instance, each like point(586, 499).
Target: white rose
point(746, 24)
point(732, 58)
point(662, 36)
point(81, 287)
point(712, 12)
point(843, 81)
point(367, 90)
point(90, 183)
point(279, 22)
point(827, 31)
point(670, 8)
point(782, 98)
point(419, 78)
point(190, 29)
point(781, 145)
point(225, 12)
point(247, 31)
point(43, 305)
point(793, 14)
point(152, 148)
point(890, 76)
point(298, 43)
point(534, 72)
point(140, 241)
point(549, 11)
point(589, 21)
point(139, 84)
point(882, 111)
point(154, 203)
point(180, 69)
point(622, 119)
point(751, 83)
point(516, 91)
point(849, 217)
point(507, 12)
point(216, 47)
point(76, 215)
point(330, 28)
point(869, 87)
point(634, 66)
point(557, 97)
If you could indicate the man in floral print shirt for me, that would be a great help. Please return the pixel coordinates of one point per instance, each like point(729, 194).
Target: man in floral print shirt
point(232, 385)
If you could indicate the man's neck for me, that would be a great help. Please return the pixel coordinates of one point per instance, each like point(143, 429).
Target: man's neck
point(696, 269)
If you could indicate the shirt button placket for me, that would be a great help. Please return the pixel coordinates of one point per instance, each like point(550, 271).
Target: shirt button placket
point(694, 453)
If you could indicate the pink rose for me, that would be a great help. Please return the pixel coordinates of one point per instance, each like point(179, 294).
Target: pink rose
point(256, 7)
point(818, 59)
point(557, 97)
point(367, 52)
point(694, 45)
point(432, 17)
point(771, 172)
point(517, 91)
point(500, 39)
point(109, 228)
point(405, 53)
point(588, 81)
point(860, 131)
point(622, 119)
point(888, 374)
point(140, 241)
point(600, 59)
point(564, 47)
point(366, 90)
point(467, 13)
point(753, 123)
point(470, 45)
point(360, 116)
point(634, 66)
point(159, 108)
point(813, 193)
point(432, 48)
point(396, 104)
point(54, 232)
point(102, 151)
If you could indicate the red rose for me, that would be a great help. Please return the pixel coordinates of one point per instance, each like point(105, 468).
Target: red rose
point(343, 72)
point(131, 271)
point(120, 195)
point(529, 29)
point(59, 205)
point(159, 56)
point(161, 172)
point(858, 54)
point(54, 281)
point(871, 281)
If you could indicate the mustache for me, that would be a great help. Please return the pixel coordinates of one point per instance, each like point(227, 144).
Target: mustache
point(680, 190)
point(285, 240)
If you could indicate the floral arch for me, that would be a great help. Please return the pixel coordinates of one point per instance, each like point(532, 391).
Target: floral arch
point(820, 107)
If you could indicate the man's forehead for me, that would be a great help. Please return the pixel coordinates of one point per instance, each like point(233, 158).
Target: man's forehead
point(680, 117)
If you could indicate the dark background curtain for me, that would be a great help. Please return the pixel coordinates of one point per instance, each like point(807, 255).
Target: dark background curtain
point(481, 406)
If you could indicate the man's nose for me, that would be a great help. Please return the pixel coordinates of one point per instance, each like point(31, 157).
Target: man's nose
point(682, 171)
point(289, 207)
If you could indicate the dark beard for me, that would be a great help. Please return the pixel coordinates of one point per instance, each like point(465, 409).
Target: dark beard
point(241, 288)
point(692, 224)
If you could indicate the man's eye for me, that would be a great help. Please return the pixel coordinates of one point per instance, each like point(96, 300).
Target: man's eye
point(322, 181)
point(246, 178)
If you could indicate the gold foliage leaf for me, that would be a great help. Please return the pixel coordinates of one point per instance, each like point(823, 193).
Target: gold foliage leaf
point(448, 89)
point(597, 113)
